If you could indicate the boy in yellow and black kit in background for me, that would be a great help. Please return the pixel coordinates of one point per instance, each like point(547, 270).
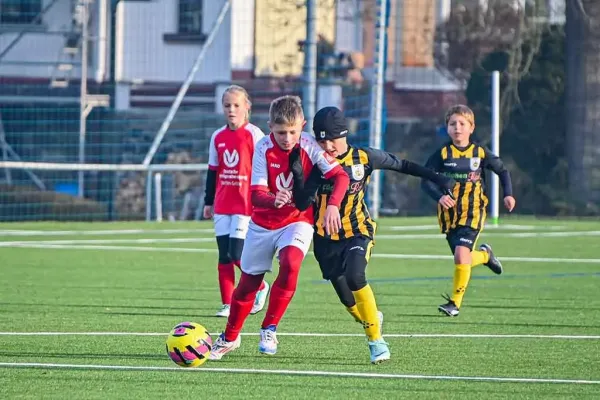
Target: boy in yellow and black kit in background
point(462, 215)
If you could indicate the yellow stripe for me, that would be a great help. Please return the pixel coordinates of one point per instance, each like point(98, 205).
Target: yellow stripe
point(321, 214)
point(444, 153)
point(468, 152)
point(346, 224)
point(480, 152)
point(476, 205)
point(347, 160)
point(465, 203)
point(369, 249)
point(364, 158)
point(360, 216)
point(455, 152)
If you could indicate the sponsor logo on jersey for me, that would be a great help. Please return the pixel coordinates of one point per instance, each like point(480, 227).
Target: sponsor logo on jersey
point(284, 182)
point(231, 159)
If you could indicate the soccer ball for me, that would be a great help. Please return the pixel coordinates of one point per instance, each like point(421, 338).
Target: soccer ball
point(189, 344)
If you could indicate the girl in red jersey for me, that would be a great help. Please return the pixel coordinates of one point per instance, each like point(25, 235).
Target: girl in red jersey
point(227, 196)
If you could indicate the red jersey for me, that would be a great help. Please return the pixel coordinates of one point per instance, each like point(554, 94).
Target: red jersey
point(271, 172)
point(230, 155)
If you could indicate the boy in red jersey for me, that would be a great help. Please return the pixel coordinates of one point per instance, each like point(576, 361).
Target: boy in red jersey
point(277, 225)
point(227, 196)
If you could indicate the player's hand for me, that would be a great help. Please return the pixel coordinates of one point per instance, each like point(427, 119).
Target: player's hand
point(282, 198)
point(509, 203)
point(207, 212)
point(332, 221)
point(447, 202)
point(295, 161)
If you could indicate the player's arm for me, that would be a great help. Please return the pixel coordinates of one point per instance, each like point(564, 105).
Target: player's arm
point(211, 179)
point(380, 159)
point(434, 163)
point(260, 196)
point(494, 163)
point(304, 192)
point(331, 170)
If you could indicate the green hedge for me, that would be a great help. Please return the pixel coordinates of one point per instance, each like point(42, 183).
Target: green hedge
point(26, 203)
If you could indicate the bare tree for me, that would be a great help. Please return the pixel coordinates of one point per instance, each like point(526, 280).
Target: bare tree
point(471, 32)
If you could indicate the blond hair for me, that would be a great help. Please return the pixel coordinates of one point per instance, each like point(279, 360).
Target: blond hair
point(286, 110)
point(243, 92)
point(462, 110)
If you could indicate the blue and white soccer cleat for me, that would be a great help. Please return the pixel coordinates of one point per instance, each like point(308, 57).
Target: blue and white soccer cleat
point(223, 311)
point(380, 351)
point(268, 340)
point(260, 299)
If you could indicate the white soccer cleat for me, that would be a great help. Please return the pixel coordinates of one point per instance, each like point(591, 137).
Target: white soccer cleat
point(260, 299)
point(222, 347)
point(379, 350)
point(268, 341)
point(223, 311)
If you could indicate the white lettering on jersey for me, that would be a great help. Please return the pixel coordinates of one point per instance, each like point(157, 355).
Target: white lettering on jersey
point(284, 183)
point(231, 159)
point(273, 165)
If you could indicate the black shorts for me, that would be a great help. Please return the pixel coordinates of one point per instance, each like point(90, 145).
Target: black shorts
point(334, 256)
point(462, 236)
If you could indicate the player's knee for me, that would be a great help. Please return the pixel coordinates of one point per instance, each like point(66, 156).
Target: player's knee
point(235, 249)
point(356, 266)
point(462, 255)
point(290, 260)
point(343, 291)
point(223, 246)
point(247, 287)
point(356, 280)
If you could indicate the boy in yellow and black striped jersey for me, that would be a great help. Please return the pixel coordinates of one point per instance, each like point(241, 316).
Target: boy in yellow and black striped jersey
point(343, 256)
point(461, 216)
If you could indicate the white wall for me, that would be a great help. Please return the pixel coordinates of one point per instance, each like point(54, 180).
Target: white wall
point(143, 55)
point(349, 27)
point(37, 46)
point(242, 35)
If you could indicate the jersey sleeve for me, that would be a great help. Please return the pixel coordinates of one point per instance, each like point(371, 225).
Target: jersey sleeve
point(213, 157)
point(494, 163)
point(257, 133)
point(260, 175)
point(318, 156)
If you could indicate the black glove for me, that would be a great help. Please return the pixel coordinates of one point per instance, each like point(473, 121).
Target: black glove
point(295, 161)
point(448, 186)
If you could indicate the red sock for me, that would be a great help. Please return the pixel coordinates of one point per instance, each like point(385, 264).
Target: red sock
point(262, 283)
point(284, 287)
point(226, 282)
point(241, 304)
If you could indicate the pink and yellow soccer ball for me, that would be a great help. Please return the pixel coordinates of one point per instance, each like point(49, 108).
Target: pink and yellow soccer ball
point(189, 344)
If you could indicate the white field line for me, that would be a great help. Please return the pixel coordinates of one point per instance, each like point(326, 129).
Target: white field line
point(112, 241)
point(103, 232)
point(513, 227)
point(37, 245)
point(99, 232)
point(306, 334)
point(299, 372)
point(495, 234)
point(435, 236)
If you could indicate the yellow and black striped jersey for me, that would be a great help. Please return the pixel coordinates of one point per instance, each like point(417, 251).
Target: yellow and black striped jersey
point(359, 163)
point(465, 165)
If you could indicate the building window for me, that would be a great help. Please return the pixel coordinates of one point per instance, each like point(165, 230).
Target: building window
point(190, 17)
point(20, 11)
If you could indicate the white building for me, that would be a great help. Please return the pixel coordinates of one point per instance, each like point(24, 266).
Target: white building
point(146, 48)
